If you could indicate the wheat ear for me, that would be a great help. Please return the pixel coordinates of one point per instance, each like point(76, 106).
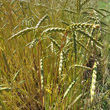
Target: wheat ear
point(61, 63)
point(29, 29)
point(42, 74)
point(51, 46)
point(53, 29)
point(94, 76)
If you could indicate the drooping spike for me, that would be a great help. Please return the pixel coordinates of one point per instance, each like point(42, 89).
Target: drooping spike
point(61, 63)
point(94, 76)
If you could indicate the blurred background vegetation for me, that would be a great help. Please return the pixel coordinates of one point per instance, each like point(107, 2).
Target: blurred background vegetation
point(46, 63)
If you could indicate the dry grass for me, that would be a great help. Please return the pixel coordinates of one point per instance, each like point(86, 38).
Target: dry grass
point(47, 53)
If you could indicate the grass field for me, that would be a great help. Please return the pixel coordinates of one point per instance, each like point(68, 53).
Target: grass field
point(54, 54)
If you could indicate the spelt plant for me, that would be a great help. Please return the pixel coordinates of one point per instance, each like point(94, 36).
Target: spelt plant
point(48, 54)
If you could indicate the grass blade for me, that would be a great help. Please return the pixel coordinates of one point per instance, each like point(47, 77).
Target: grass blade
point(5, 89)
point(69, 87)
point(92, 39)
point(16, 74)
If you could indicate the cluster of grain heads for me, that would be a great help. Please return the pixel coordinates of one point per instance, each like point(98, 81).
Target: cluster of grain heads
point(24, 31)
point(60, 63)
point(92, 90)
